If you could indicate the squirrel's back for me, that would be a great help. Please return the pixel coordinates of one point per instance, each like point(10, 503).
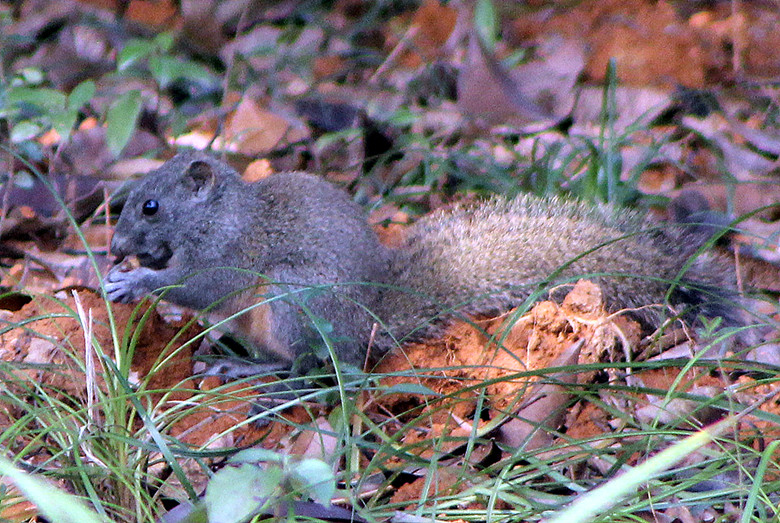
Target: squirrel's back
point(489, 257)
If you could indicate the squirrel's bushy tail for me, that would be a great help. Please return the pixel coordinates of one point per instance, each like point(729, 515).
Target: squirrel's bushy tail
point(487, 258)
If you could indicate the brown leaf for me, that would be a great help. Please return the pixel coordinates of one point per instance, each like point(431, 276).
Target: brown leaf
point(255, 131)
point(434, 23)
point(257, 170)
point(666, 411)
point(544, 408)
point(487, 91)
point(316, 442)
point(634, 106)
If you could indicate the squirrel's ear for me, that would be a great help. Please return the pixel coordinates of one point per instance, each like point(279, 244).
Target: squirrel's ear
point(199, 178)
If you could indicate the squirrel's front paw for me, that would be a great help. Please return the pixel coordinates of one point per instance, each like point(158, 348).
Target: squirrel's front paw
point(124, 285)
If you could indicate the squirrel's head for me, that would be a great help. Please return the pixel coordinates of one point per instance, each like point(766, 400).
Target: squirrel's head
point(170, 207)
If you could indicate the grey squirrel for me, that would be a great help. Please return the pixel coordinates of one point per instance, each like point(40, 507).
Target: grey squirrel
point(293, 249)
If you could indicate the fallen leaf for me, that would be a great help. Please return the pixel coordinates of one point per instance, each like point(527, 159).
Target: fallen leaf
point(434, 23)
point(257, 170)
point(544, 408)
point(317, 441)
point(487, 91)
point(634, 106)
point(255, 131)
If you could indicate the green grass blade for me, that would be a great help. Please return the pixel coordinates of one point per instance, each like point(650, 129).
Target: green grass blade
point(56, 505)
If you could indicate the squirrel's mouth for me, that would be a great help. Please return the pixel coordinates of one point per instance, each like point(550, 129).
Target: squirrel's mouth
point(156, 260)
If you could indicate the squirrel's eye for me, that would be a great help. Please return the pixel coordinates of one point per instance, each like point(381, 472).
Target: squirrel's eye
point(150, 207)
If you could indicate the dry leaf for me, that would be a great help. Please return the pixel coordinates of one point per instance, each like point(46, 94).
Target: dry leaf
point(257, 170)
point(255, 131)
point(544, 409)
point(316, 442)
point(434, 23)
point(634, 106)
point(487, 91)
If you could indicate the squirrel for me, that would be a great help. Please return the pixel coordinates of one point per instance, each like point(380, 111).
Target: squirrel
point(298, 254)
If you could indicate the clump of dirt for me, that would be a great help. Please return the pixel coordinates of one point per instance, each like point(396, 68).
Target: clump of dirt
point(45, 346)
point(50, 334)
point(492, 351)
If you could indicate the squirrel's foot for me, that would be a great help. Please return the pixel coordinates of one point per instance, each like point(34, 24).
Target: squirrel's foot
point(123, 285)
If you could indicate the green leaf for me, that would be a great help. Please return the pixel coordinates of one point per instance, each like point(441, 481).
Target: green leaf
point(164, 41)
point(32, 75)
point(167, 69)
point(6, 110)
point(24, 180)
point(403, 116)
point(410, 388)
point(255, 455)
point(187, 513)
point(486, 22)
point(64, 122)
point(164, 69)
point(236, 493)
point(44, 99)
point(198, 73)
point(121, 119)
point(133, 51)
point(81, 94)
point(314, 478)
point(53, 503)
point(25, 130)
point(322, 325)
point(31, 149)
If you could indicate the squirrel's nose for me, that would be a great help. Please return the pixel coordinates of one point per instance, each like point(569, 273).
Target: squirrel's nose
point(119, 248)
